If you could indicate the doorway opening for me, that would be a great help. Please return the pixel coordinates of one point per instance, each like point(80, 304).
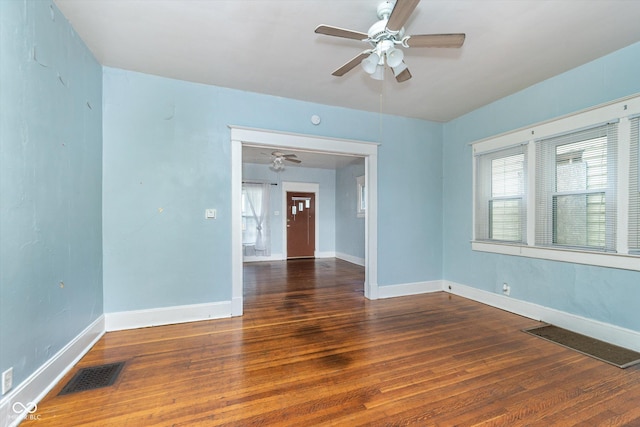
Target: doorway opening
point(315, 144)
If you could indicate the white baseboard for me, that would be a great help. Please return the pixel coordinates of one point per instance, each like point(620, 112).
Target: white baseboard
point(350, 258)
point(37, 385)
point(167, 315)
point(405, 289)
point(272, 257)
point(607, 332)
point(237, 306)
point(326, 254)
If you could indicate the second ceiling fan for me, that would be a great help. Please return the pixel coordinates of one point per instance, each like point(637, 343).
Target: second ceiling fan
point(385, 38)
point(278, 159)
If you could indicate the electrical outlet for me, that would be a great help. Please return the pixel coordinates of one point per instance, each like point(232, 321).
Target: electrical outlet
point(506, 289)
point(7, 380)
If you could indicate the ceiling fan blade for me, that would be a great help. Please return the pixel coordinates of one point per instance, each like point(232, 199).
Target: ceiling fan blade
point(351, 64)
point(436, 40)
point(340, 32)
point(401, 12)
point(289, 155)
point(403, 76)
point(293, 160)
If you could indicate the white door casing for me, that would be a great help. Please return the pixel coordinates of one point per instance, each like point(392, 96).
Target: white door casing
point(258, 137)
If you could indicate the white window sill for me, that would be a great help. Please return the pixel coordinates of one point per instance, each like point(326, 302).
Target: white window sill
point(625, 262)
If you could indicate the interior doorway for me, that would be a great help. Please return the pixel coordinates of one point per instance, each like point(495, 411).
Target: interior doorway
point(301, 225)
point(314, 144)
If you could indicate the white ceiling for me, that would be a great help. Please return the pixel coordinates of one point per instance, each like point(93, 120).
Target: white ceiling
point(269, 46)
point(262, 155)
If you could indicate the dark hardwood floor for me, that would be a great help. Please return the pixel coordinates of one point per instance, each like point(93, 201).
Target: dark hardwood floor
point(311, 350)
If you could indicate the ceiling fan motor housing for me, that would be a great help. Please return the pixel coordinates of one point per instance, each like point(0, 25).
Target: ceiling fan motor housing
point(378, 31)
point(382, 40)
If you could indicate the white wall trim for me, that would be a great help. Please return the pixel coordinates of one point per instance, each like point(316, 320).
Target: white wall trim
point(272, 257)
point(325, 254)
point(350, 258)
point(167, 315)
point(602, 331)
point(607, 332)
point(266, 138)
point(405, 289)
point(575, 256)
point(601, 113)
point(40, 382)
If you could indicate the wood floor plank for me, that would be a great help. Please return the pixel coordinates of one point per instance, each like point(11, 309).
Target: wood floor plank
point(311, 350)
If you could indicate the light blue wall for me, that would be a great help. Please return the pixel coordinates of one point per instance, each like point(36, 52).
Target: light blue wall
point(327, 186)
point(603, 294)
point(350, 233)
point(50, 185)
point(410, 203)
point(167, 159)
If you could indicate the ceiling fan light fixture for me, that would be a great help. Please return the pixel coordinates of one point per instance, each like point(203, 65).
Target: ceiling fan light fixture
point(278, 164)
point(370, 63)
point(394, 57)
point(385, 37)
point(378, 74)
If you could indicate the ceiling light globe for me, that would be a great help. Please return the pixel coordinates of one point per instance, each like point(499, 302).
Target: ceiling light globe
point(394, 57)
point(399, 68)
point(370, 63)
point(277, 164)
point(378, 74)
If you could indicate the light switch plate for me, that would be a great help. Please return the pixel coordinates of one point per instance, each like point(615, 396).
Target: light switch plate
point(210, 214)
point(7, 380)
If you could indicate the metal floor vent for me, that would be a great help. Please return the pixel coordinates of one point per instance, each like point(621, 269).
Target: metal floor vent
point(93, 377)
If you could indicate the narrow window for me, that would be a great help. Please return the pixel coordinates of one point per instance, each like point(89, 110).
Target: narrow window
point(500, 196)
point(634, 188)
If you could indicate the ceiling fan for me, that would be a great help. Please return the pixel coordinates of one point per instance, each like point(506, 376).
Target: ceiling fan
point(385, 38)
point(278, 159)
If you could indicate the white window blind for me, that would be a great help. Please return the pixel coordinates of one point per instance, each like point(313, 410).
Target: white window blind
point(500, 195)
point(575, 189)
point(634, 188)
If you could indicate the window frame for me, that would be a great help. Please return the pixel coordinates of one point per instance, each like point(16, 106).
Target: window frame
point(620, 110)
point(484, 201)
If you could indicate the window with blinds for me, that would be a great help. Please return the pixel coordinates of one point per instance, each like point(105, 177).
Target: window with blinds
point(501, 200)
point(634, 188)
point(575, 189)
point(565, 190)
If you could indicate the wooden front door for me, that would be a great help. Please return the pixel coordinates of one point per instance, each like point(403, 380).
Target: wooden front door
point(301, 225)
